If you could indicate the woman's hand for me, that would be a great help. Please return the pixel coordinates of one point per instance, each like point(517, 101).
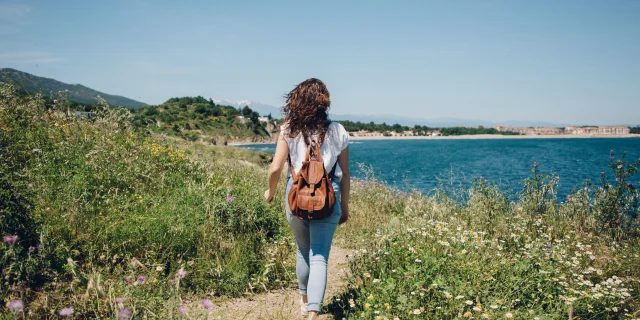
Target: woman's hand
point(268, 196)
point(345, 215)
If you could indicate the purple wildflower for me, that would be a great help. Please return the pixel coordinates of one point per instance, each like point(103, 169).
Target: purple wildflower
point(619, 166)
point(141, 279)
point(10, 239)
point(230, 198)
point(612, 154)
point(16, 306)
point(569, 199)
point(55, 101)
point(30, 185)
point(535, 164)
point(124, 314)
point(547, 244)
point(66, 90)
point(207, 304)
point(32, 249)
point(128, 280)
point(183, 309)
point(121, 300)
point(171, 282)
point(181, 273)
point(66, 312)
point(617, 179)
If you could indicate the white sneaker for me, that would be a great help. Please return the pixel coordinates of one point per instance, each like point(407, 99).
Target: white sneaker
point(303, 308)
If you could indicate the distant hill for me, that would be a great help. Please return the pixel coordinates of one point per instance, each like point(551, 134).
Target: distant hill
point(77, 93)
point(196, 118)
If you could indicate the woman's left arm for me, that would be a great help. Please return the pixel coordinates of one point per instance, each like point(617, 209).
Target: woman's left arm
point(275, 169)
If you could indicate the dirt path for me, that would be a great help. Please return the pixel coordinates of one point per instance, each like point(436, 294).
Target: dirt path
point(284, 304)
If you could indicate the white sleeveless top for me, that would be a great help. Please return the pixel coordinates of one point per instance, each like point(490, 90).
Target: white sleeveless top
point(336, 140)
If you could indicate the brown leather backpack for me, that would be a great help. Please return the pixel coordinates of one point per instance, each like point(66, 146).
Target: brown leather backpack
point(311, 196)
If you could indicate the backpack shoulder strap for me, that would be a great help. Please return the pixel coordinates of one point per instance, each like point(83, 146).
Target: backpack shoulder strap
point(292, 171)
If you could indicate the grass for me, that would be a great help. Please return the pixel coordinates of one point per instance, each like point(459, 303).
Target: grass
point(490, 258)
point(115, 223)
point(96, 206)
point(206, 152)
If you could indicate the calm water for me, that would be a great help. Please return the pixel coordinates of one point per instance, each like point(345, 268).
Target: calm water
point(419, 163)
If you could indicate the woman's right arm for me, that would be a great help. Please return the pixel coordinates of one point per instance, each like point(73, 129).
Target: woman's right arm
point(345, 184)
point(275, 169)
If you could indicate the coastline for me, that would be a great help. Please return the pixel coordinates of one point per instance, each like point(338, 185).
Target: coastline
point(494, 136)
point(468, 137)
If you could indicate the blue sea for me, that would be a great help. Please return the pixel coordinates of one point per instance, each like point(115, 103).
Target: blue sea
point(422, 164)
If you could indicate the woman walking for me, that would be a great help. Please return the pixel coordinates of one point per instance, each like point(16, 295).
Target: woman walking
point(307, 123)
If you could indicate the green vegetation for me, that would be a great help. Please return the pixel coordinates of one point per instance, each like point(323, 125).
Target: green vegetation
point(49, 87)
point(418, 130)
point(191, 118)
point(198, 118)
point(457, 131)
point(101, 212)
point(102, 218)
point(635, 130)
point(475, 254)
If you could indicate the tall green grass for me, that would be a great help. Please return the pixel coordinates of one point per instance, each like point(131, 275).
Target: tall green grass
point(103, 212)
point(476, 254)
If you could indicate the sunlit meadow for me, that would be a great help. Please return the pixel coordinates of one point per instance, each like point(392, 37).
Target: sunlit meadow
point(101, 220)
point(477, 254)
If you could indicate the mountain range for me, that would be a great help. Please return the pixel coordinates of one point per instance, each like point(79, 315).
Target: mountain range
point(77, 93)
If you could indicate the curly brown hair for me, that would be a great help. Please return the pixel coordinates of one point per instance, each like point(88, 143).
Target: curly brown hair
point(306, 109)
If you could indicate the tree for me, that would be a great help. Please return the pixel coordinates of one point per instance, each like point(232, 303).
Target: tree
point(254, 116)
point(246, 111)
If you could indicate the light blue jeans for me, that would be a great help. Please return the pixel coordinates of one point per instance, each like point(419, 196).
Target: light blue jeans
point(314, 244)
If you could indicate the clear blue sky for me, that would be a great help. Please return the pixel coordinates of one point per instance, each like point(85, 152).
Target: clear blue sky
point(558, 61)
